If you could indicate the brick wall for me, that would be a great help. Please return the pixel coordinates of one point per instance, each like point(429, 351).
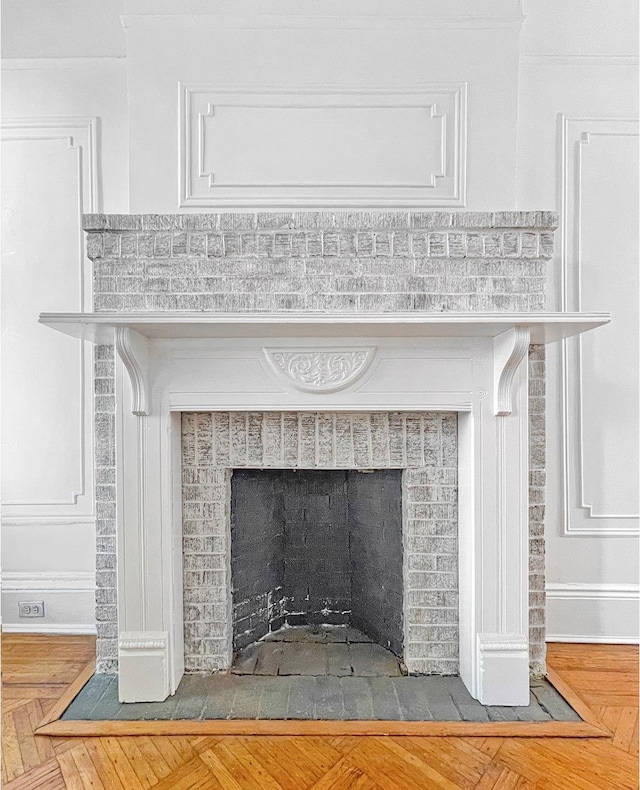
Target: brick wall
point(537, 482)
point(349, 261)
point(320, 262)
point(423, 444)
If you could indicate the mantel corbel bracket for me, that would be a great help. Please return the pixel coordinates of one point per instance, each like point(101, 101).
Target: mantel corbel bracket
point(510, 348)
point(133, 350)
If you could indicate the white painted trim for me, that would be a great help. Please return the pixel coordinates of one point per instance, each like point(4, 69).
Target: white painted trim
point(571, 131)
point(49, 628)
point(28, 128)
point(295, 194)
point(624, 592)
point(592, 609)
point(132, 348)
point(578, 60)
point(55, 581)
point(588, 639)
point(81, 135)
point(48, 64)
point(319, 22)
point(47, 521)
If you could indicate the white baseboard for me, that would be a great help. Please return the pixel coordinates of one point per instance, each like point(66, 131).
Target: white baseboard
point(597, 613)
point(69, 602)
point(49, 628)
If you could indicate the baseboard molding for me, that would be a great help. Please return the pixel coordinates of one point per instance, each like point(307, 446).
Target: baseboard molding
point(69, 602)
point(589, 639)
point(593, 613)
point(71, 629)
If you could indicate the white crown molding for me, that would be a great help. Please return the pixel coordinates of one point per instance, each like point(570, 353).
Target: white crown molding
point(541, 59)
point(52, 581)
point(55, 64)
point(579, 131)
point(320, 22)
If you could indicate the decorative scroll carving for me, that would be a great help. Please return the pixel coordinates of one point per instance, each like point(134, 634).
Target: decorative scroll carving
point(326, 370)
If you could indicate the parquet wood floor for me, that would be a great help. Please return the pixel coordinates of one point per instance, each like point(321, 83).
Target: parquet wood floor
point(37, 670)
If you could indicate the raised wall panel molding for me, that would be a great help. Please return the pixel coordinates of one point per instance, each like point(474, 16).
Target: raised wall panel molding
point(313, 370)
point(582, 516)
point(399, 147)
point(79, 135)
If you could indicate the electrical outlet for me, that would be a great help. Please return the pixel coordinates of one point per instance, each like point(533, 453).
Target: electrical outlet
point(31, 608)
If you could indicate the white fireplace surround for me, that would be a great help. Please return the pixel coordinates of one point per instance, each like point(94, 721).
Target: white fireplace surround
point(472, 364)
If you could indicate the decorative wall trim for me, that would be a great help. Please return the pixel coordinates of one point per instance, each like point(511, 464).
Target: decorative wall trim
point(579, 60)
point(144, 640)
point(69, 601)
point(574, 134)
point(320, 22)
point(319, 370)
point(443, 182)
point(597, 613)
point(51, 64)
point(14, 581)
point(46, 521)
point(49, 628)
point(630, 592)
point(80, 133)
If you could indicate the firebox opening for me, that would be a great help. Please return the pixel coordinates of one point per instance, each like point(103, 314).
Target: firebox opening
point(317, 548)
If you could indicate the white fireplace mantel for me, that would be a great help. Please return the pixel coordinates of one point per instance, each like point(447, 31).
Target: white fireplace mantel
point(470, 363)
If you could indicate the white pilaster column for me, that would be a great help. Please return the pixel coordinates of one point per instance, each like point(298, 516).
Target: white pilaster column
point(146, 558)
point(493, 548)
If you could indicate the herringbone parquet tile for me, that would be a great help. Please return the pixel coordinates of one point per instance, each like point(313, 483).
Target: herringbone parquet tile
point(37, 670)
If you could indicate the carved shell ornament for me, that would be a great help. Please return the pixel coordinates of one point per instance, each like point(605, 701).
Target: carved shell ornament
point(326, 370)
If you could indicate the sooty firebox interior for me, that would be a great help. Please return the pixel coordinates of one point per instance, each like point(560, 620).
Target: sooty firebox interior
point(312, 547)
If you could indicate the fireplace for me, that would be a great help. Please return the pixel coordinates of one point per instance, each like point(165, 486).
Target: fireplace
point(323, 342)
point(275, 495)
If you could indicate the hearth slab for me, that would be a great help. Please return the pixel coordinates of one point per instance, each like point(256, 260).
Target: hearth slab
point(297, 697)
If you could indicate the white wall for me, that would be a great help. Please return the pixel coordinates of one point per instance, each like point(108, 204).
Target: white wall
point(578, 151)
point(394, 61)
point(411, 102)
point(64, 151)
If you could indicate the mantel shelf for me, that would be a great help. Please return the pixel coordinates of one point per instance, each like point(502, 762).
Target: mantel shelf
point(544, 327)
